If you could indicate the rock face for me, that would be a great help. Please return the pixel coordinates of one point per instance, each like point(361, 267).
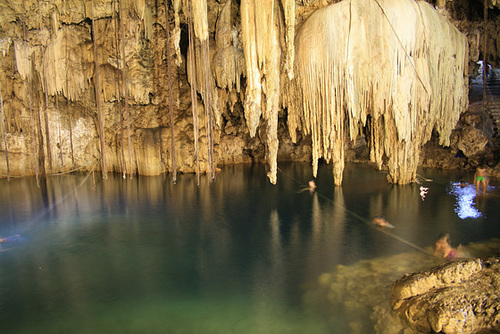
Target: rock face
point(457, 297)
point(142, 86)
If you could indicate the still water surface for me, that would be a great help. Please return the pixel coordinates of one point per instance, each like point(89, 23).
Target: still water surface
point(144, 255)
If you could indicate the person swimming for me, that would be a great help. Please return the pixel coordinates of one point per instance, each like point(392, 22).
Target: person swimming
point(443, 245)
point(381, 222)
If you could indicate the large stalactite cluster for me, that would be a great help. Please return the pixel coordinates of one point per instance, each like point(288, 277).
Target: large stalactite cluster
point(400, 71)
point(151, 86)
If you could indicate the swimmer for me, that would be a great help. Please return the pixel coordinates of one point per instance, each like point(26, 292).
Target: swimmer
point(381, 222)
point(480, 179)
point(423, 192)
point(462, 184)
point(443, 245)
point(312, 185)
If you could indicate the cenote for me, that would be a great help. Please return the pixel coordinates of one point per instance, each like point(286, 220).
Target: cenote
point(239, 255)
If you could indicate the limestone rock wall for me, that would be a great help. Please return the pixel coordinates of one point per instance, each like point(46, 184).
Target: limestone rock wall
point(110, 85)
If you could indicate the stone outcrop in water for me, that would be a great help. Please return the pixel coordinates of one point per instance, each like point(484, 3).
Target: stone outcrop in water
point(363, 290)
point(458, 297)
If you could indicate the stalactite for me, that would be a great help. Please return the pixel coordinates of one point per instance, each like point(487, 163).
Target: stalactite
point(29, 83)
point(98, 98)
point(33, 128)
point(60, 144)
point(289, 13)
point(127, 117)
point(341, 53)
point(118, 89)
point(253, 98)
point(170, 96)
point(228, 61)
point(70, 114)
point(47, 128)
point(194, 102)
point(176, 33)
point(41, 144)
point(4, 133)
point(200, 28)
point(262, 54)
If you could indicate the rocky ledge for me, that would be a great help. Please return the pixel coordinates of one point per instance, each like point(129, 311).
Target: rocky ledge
point(462, 296)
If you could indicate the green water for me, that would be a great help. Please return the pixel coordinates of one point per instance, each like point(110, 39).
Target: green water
point(240, 255)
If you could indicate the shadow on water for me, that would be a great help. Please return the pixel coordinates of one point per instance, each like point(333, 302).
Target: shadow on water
point(236, 256)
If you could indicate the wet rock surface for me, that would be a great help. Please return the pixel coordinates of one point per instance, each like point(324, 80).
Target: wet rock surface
point(457, 297)
point(441, 290)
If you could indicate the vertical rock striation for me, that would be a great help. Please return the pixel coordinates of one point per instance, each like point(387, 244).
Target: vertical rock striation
point(389, 70)
point(395, 68)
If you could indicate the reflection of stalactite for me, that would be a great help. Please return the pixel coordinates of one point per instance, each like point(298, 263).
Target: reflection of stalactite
point(98, 97)
point(4, 134)
point(170, 96)
point(194, 108)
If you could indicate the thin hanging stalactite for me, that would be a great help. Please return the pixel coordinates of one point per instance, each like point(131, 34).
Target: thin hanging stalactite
point(47, 128)
point(200, 23)
point(118, 91)
point(60, 136)
point(194, 107)
point(41, 149)
point(98, 98)
point(30, 106)
point(170, 96)
point(70, 126)
point(127, 118)
point(4, 134)
point(209, 127)
point(485, 58)
point(33, 128)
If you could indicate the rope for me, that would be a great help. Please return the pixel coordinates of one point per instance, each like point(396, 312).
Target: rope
point(355, 215)
point(402, 45)
point(52, 174)
point(53, 206)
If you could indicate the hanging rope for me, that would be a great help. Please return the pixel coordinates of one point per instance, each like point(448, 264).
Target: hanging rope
point(208, 111)
point(402, 45)
point(118, 90)
point(59, 135)
point(170, 96)
point(47, 128)
point(194, 106)
point(127, 118)
point(70, 126)
point(4, 133)
point(98, 98)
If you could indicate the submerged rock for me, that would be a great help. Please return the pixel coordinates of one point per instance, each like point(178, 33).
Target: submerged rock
point(456, 297)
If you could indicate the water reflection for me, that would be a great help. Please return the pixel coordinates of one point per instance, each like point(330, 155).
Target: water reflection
point(233, 256)
point(465, 204)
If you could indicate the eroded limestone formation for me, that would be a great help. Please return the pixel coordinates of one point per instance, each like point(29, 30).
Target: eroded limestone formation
point(123, 86)
point(458, 297)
